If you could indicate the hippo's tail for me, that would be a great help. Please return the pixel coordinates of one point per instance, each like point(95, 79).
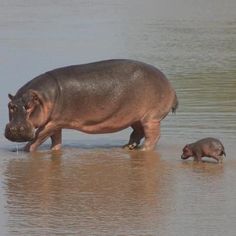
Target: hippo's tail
point(175, 104)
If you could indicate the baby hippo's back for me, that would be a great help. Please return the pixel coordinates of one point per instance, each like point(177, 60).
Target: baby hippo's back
point(210, 147)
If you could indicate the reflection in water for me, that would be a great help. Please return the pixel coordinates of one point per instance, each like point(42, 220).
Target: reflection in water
point(84, 192)
point(90, 192)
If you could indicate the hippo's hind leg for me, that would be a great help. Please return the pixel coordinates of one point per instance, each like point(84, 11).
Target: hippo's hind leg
point(218, 158)
point(136, 136)
point(151, 132)
point(56, 140)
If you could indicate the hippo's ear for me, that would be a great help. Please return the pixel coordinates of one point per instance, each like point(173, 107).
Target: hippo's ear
point(34, 96)
point(31, 100)
point(10, 96)
point(186, 147)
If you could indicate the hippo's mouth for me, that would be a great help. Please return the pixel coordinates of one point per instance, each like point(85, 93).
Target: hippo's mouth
point(16, 136)
point(183, 157)
point(19, 138)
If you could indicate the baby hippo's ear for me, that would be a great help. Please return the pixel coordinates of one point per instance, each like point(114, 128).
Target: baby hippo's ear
point(186, 147)
point(10, 96)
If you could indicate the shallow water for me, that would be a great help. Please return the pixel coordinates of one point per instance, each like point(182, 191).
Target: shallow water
point(93, 187)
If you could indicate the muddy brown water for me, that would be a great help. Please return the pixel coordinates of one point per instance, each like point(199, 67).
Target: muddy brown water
point(93, 187)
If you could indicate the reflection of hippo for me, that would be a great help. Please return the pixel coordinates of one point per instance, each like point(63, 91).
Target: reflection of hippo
point(100, 97)
point(207, 147)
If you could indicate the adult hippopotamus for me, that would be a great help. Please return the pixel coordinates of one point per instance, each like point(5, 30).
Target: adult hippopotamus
point(99, 97)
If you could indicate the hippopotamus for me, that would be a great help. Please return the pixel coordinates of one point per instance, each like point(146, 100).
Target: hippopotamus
point(99, 97)
point(207, 147)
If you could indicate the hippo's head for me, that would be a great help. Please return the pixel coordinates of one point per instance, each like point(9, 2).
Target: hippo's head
point(22, 109)
point(187, 152)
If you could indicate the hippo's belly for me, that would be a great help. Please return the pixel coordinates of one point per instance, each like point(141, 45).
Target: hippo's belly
point(111, 122)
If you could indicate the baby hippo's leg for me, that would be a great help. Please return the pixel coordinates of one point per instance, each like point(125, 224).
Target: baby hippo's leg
point(197, 155)
point(197, 158)
point(219, 159)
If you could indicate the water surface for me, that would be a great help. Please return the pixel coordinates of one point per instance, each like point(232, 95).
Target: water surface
point(93, 187)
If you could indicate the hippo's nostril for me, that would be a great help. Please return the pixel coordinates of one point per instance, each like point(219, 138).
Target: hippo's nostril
point(13, 129)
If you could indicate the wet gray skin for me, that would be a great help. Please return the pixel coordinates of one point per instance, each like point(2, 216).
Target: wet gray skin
point(101, 97)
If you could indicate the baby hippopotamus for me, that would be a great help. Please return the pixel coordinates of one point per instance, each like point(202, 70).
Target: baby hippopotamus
point(207, 147)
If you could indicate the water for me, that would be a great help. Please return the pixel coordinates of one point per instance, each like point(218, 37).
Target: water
point(93, 187)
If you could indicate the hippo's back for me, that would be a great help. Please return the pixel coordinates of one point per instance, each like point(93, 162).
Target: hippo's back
point(113, 83)
point(122, 70)
point(210, 146)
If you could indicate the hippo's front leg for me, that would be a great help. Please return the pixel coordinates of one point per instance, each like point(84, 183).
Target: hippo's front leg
point(56, 140)
point(41, 135)
point(197, 159)
point(197, 156)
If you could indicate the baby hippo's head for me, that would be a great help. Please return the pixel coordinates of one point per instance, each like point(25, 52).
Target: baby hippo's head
point(187, 152)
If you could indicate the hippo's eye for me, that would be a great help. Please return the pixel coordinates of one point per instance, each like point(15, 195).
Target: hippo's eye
point(27, 107)
point(12, 107)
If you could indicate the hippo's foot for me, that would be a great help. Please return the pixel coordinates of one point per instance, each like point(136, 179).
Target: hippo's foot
point(29, 147)
point(144, 149)
point(56, 147)
point(219, 159)
point(131, 146)
point(197, 159)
